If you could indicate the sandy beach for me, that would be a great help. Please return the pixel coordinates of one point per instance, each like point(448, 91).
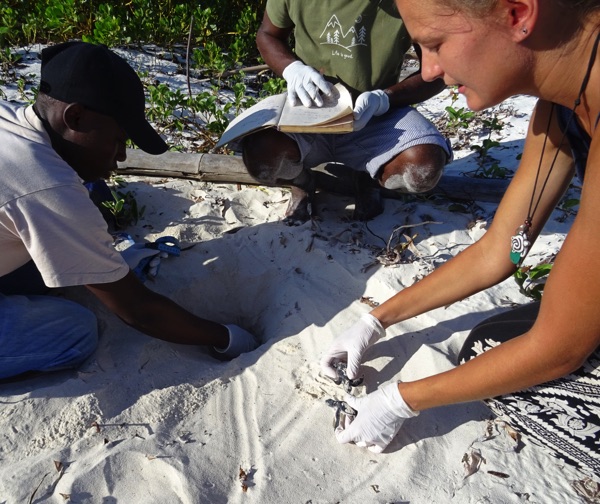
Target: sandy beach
point(145, 421)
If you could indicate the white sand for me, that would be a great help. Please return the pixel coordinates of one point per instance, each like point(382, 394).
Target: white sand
point(146, 421)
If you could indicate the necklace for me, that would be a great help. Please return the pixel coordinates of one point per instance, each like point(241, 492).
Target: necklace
point(520, 242)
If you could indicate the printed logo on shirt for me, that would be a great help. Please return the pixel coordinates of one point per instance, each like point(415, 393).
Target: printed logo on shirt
point(334, 34)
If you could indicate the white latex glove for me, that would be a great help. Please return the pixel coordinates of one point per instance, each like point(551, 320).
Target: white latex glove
point(351, 345)
point(369, 104)
point(306, 83)
point(240, 341)
point(380, 416)
point(136, 256)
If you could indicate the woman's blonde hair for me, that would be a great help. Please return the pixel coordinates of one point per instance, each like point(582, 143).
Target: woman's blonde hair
point(581, 8)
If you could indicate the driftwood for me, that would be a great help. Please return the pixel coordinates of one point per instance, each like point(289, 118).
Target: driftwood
point(330, 177)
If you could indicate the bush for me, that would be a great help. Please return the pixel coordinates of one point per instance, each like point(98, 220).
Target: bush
point(226, 26)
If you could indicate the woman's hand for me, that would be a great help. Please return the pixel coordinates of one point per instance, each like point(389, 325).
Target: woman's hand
point(351, 345)
point(380, 416)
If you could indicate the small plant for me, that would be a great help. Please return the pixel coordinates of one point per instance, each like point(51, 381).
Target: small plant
point(30, 28)
point(454, 94)
point(166, 106)
point(485, 147)
point(9, 23)
point(567, 206)
point(532, 279)
point(459, 118)
point(241, 99)
point(107, 27)
point(487, 166)
point(275, 85)
point(8, 60)
point(495, 171)
point(492, 125)
point(124, 209)
point(60, 18)
point(210, 58)
point(27, 95)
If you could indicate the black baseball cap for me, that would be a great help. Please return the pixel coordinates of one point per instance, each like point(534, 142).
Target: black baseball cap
point(99, 79)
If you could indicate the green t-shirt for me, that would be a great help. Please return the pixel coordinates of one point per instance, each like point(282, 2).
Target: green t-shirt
point(362, 43)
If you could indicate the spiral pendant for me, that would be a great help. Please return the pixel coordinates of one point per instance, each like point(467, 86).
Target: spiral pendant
point(519, 245)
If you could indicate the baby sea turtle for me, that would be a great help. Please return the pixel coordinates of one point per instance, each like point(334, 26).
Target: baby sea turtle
point(341, 408)
point(342, 378)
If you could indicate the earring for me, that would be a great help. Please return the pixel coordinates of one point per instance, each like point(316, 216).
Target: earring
point(525, 30)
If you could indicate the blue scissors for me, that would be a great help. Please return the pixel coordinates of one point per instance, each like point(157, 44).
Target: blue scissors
point(168, 244)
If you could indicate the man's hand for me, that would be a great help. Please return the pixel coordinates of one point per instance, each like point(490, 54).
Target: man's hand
point(351, 346)
point(240, 341)
point(380, 416)
point(369, 104)
point(143, 261)
point(305, 83)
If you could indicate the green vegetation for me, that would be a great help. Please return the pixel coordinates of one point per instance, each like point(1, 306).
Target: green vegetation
point(123, 208)
point(228, 24)
point(458, 118)
point(532, 279)
point(462, 125)
point(212, 40)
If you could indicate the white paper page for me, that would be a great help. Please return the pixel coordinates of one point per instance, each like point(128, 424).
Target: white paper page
point(334, 106)
point(264, 114)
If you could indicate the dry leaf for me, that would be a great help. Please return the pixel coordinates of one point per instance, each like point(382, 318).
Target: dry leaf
point(65, 496)
point(410, 244)
point(369, 301)
point(472, 462)
point(59, 465)
point(512, 433)
point(588, 489)
point(243, 477)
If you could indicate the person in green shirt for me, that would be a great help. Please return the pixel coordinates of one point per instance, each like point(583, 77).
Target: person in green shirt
point(361, 44)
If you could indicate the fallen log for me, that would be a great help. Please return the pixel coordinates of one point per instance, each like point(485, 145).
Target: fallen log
point(329, 177)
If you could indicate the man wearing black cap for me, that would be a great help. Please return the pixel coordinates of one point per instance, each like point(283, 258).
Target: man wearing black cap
point(52, 235)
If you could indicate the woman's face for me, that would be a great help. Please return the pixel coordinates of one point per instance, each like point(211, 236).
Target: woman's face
point(472, 53)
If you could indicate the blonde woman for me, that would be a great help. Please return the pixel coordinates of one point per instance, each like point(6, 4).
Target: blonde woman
point(539, 365)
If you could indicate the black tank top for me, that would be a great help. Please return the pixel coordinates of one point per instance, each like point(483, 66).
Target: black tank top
point(578, 138)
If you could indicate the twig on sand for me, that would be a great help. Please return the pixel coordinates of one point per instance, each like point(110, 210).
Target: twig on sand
point(60, 467)
point(37, 488)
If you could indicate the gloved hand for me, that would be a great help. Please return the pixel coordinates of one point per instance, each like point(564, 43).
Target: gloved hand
point(240, 341)
point(143, 261)
point(369, 104)
point(380, 416)
point(351, 345)
point(306, 83)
